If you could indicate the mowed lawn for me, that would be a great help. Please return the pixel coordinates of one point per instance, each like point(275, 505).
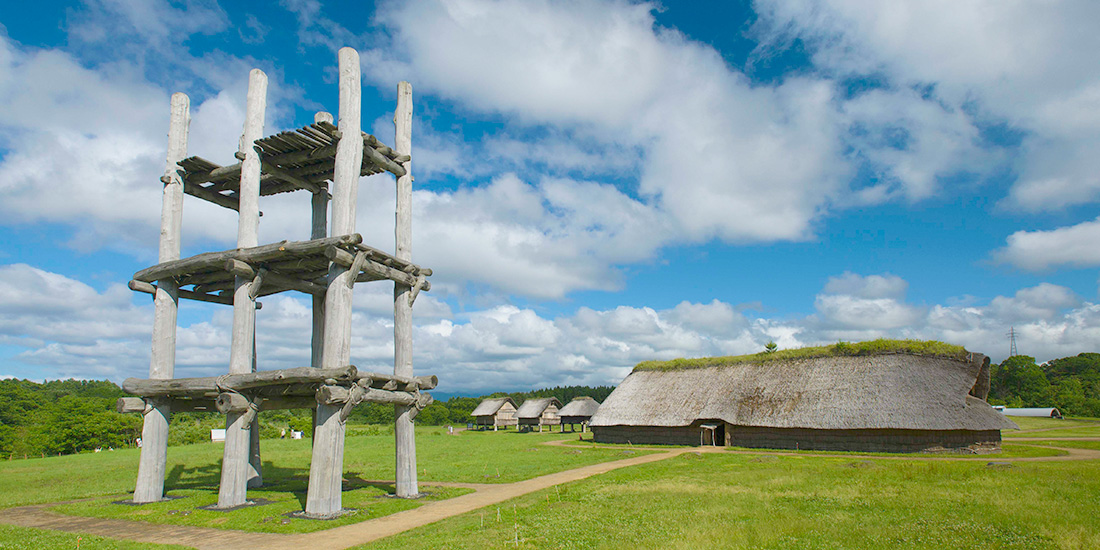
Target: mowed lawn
point(726, 500)
point(712, 500)
point(1031, 427)
point(194, 473)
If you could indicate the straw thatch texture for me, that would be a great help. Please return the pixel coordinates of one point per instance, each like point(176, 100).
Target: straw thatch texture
point(579, 409)
point(489, 407)
point(897, 391)
point(536, 408)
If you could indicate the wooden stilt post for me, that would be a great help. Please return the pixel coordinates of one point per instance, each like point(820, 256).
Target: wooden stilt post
point(255, 465)
point(319, 231)
point(235, 460)
point(402, 307)
point(323, 498)
point(154, 431)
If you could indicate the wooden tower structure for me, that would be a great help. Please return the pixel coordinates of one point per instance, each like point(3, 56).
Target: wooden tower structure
point(327, 266)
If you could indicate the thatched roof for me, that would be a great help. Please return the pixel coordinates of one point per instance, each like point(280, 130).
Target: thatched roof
point(580, 406)
point(533, 408)
point(884, 391)
point(490, 406)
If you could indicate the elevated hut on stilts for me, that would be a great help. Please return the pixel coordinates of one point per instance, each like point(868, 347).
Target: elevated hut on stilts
point(325, 267)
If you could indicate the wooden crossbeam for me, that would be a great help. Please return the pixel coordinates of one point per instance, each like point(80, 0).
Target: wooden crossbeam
point(244, 381)
point(208, 261)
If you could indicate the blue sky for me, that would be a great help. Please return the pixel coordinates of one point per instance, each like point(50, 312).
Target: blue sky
point(597, 183)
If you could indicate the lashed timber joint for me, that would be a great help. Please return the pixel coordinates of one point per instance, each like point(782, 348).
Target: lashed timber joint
point(301, 266)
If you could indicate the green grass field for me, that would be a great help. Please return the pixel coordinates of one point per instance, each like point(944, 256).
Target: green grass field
point(1086, 444)
point(721, 500)
point(754, 499)
point(24, 538)
point(1008, 450)
point(1032, 423)
point(1031, 427)
point(194, 470)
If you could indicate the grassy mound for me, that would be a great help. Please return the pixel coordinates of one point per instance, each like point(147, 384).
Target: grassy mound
point(839, 349)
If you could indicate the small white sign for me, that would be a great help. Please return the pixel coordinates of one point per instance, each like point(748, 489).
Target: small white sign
point(217, 435)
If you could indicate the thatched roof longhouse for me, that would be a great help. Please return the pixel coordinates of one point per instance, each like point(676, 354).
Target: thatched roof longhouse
point(895, 391)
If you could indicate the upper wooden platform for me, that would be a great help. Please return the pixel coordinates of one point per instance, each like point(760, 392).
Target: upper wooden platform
point(298, 159)
point(282, 266)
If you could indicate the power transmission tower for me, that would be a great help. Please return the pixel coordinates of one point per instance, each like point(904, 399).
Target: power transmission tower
point(1012, 339)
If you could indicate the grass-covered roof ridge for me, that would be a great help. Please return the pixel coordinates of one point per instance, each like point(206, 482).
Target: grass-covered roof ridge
point(839, 349)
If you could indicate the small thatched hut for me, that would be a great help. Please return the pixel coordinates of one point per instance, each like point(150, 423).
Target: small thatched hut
point(539, 412)
point(495, 412)
point(578, 411)
point(884, 396)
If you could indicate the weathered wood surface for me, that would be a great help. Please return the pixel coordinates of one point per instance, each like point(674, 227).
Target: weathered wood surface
point(323, 498)
point(238, 382)
point(138, 405)
point(404, 433)
point(236, 468)
point(238, 403)
point(339, 395)
point(319, 230)
point(235, 402)
point(393, 381)
point(149, 486)
point(273, 278)
point(374, 269)
point(389, 260)
point(141, 286)
point(210, 261)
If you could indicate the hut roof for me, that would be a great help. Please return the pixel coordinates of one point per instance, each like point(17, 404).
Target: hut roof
point(580, 406)
point(490, 406)
point(533, 408)
point(885, 390)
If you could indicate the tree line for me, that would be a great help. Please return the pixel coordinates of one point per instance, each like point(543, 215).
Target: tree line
point(1072, 384)
point(73, 416)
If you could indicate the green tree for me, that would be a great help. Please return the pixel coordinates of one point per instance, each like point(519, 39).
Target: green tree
point(1018, 377)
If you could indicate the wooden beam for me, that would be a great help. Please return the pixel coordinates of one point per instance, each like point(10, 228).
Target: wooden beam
point(238, 382)
point(338, 395)
point(216, 260)
point(209, 195)
point(344, 258)
point(406, 383)
point(238, 403)
point(291, 178)
point(390, 260)
point(222, 172)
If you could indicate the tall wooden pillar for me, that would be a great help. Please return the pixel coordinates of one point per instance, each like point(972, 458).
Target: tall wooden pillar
point(236, 469)
point(327, 465)
point(319, 230)
point(402, 309)
point(154, 431)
